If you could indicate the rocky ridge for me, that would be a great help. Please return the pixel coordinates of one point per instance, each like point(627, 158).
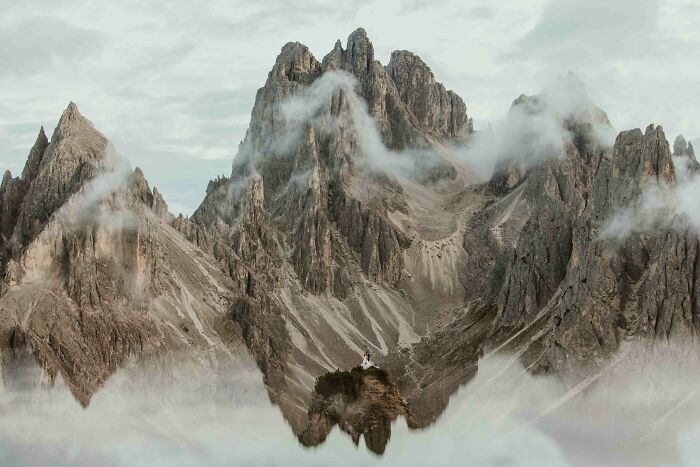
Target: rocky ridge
point(93, 276)
point(317, 247)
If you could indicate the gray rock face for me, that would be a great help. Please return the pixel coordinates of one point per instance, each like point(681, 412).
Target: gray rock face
point(562, 292)
point(307, 254)
point(557, 191)
point(13, 191)
point(440, 112)
point(618, 289)
point(94, 278)
point(70, 160)
point(680, 146)
point(684, 156)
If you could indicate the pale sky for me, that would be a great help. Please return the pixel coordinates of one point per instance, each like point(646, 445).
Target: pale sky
point(172, 83)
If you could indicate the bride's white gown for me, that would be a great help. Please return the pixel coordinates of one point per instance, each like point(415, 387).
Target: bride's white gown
point(366, 363)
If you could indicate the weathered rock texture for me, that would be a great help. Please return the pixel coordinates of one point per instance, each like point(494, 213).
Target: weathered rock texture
point(565, 281)
point(361, 402)
point(685, 154)
point(313, 235)
point(93, 277)
point(317, 247)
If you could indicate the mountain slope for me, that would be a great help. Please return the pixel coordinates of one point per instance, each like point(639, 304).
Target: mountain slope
point(341, 198)
point(93, 275)
point(349, 222)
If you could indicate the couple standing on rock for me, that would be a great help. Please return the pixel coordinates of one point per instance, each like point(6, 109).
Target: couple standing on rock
point(366, 362)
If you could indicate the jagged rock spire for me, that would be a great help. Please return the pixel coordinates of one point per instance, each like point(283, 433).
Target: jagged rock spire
point(31, 168)
point(295, 63)
point(360, 52)
point(57, 170)
point(680, 146)
point(441, 112)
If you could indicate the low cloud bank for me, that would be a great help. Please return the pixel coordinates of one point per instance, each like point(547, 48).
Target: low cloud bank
point(532, 131)
point(641, 410)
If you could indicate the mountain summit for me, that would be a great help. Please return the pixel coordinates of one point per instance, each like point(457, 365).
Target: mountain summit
point(349, 223)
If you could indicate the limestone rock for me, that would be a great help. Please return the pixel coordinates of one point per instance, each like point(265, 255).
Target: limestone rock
point(360, 402)
point(439, 112)
point(95, 281)
point(684, 154)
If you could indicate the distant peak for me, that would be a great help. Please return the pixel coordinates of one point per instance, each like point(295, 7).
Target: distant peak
point(70, 115)
point(405, 58)
point(31, 167)
point(41, 137)
point(72, 109)
point(296, 63)
point(396, 54)
point(361, 51)
point(358, 33)
point(681, 147)
point(291, 48)
point(358, 38)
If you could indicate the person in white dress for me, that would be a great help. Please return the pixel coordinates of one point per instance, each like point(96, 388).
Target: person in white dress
point(366, 362)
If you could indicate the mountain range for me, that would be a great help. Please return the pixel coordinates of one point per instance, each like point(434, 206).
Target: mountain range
point(351, 222)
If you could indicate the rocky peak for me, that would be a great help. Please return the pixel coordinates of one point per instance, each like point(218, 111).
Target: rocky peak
point(680, 146)
point(73, 157)
point(11, 193)
point(360, 52)
point(159, 206)
point(140, 188)
point(7, 176)
point(138, 185)
point(71, 119)
point(295, 63)
point(658, 162)
point(31, 168)
point(584, 132)
point(335, 58)
point(684, 153)
point(439, 111)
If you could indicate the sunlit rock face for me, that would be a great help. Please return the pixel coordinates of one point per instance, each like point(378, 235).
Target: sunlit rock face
point(361, 402)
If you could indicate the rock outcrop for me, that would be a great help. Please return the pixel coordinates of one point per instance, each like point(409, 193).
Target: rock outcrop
point(361, 402)
point(439, 112)
point(684, 156)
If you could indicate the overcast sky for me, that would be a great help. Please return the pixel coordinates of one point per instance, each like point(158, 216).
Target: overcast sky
point(172, 83)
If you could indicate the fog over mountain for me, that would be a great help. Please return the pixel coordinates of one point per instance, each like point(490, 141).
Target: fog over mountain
point(377, 265)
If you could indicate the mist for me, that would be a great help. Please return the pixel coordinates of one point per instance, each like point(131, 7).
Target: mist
point(529, 133)
point(308, 108)
point(534, 129)
point(640, 410)
point(660, 206)
point(113, 175)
